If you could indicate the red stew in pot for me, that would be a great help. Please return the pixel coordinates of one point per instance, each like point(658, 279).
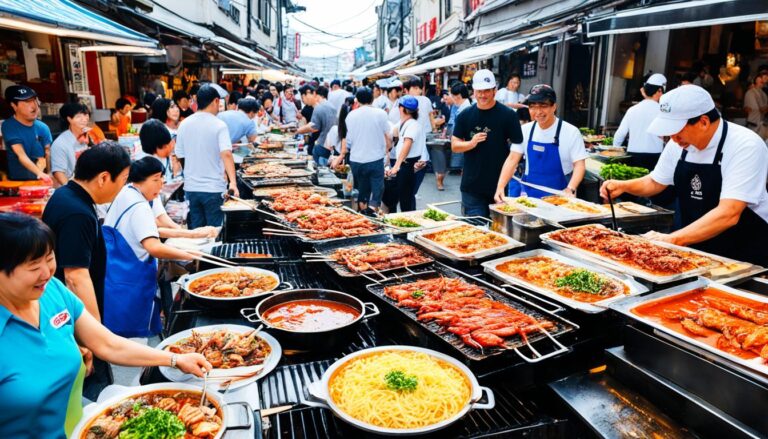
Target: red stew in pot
point(310, 315)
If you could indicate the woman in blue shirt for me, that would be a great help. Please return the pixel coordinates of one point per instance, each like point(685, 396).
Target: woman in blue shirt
point(41, 325)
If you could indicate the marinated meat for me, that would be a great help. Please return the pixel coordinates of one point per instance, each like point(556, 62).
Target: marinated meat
point(369, 257)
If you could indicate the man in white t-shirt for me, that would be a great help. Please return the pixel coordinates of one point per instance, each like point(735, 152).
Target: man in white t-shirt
point(756, 106)
point(719, 172)
point(644, 147)
point(510, 96)
point(70, 143)
point(368, 136)
point(204, 145)
point(553, 149)
point(337, 95)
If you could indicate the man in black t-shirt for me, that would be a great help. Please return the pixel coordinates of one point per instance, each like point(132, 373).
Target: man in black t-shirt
point(483, 132)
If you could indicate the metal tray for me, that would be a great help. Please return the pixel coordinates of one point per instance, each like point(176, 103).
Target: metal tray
point(635, 288)
point(322, 190)
point(469, 353)
point(626, 306)
point(264, 182)
point(417, 217)
point(327, 250)
point(418, 237)
point(295, 173)
point(616, 265)
point(551, 212)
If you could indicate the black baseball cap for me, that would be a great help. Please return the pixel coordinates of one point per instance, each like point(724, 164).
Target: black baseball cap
point(19, 93)
point(541, 93)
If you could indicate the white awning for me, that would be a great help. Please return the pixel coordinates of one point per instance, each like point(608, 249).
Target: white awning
point(116, 48)
point(478, 53)
point(392, 65)
point(678, 16)
point(439, 44)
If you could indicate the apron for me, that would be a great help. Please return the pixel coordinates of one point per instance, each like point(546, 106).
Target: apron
point(544, 167)
point(698, 187)
point(131, 307)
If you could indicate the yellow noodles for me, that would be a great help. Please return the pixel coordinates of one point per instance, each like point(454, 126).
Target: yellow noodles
point(359, 389)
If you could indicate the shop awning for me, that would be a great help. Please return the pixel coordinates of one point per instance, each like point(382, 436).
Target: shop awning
point(392, 65)
point(439, 44)
point(67, 19)
point(678, 16)
point(526, 15)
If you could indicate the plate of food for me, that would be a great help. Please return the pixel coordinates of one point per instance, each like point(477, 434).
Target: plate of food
point(568, 281)
point(576, 205)
point(464, 242)
point(418, 219)
point(236, 352)
point(228, 285)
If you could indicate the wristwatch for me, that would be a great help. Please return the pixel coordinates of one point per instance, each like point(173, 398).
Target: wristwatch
point(174, 358)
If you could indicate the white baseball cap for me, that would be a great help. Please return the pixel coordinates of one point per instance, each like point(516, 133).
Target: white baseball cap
point(679, 105)
point(483, 80)
point(657, 79)
point(220, 90)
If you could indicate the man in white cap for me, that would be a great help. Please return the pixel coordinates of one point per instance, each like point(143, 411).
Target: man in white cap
point(483, 132)
point(644, 147)
point(719, 172)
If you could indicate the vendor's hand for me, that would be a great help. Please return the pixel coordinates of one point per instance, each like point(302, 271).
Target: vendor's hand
point(479, 137)
point(87, 359)
point(392, 171)
point(336, 161)
point(421, 164)
point(499, 196)
point(205, 232)
point(662, 237)
point(569, 193)
point(194, 363)
point(613, 187)
point(233, 190)
point(45, 178)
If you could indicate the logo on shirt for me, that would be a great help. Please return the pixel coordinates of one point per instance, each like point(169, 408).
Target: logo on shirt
point(665, 108)
point(60, 319)
point(696, 192)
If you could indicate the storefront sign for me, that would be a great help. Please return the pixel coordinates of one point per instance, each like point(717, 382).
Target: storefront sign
point(529, 69)
point(474, 4)
point(77, 69)
point(426, 32)
point(296, 46)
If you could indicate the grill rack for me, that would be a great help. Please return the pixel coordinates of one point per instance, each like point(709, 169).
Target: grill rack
point(281, 249)
point(455, 344)
point(516, 412)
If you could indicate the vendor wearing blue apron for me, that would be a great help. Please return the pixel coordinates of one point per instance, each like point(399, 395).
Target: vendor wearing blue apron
point(131, 305)
point(719, 172)
point(553, 149)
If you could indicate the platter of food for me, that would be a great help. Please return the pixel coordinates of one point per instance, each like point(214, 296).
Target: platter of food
point(160, 410)
point(324, 223)
point(545, 210)
point(235, 351)
point(464, 241)
point(359, 257)
point(293, 200)
point(472, 316)
point(271, 192)
point(268, 170)
point(418, 219)
point(576, 284)
point(229, 284)
point(399, 390)
point(629, 208)
point(630, 254)
point(268, 155)
point(577, 205)
point(238, 206)
point(593, 138)
point(727, 322)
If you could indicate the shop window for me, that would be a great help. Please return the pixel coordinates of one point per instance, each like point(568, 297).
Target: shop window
point(265, 16)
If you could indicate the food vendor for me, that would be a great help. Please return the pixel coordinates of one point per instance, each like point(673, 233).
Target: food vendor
point(132, 240)
point(27, 139)
point(644, 147)
point(553, 149)
point(718, 170)
point(41, 325)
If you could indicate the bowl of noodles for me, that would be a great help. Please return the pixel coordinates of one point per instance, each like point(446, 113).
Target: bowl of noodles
point(399, 390)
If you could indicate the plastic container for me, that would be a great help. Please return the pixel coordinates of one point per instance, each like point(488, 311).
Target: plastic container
point(34, 192)
point(33, 208)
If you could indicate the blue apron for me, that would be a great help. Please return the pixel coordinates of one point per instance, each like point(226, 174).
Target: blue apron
point(131, 307)
point(544, 168)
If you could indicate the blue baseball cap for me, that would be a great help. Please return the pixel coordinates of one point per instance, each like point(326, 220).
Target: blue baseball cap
point(409, 102)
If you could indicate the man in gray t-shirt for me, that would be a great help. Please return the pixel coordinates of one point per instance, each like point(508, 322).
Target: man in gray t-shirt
point(323, 119)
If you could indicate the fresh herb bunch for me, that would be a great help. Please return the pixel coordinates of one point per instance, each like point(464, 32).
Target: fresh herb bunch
point(435, 215)
point(153, 423)
point(587, 131)
point(402, 222)
point(620, 171)
point(581, 281)
point(608, 141)
point(399, 381)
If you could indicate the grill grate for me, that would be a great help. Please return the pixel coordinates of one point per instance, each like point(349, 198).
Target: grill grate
point(515, 412)
point(280, 249)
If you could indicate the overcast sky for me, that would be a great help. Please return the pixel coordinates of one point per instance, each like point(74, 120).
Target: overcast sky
point(351, 19)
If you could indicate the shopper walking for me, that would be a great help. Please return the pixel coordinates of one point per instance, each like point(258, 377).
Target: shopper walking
point(285, 110)
point(368, 137)
point(26, 139)
point(323, 120)
point(407, 152)
point(204, 145)
point(553, 149)
point(337, 95)
point(413, 87)
point(483, 132)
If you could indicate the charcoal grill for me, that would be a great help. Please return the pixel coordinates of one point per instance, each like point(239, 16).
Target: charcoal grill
point(280, 249)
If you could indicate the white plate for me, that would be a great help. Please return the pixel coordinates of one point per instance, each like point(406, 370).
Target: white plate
point(269, 363)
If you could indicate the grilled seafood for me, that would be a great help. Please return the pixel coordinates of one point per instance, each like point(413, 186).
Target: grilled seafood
point(178, 413)
point(563, 279)
point(225, 349)
point(466, 239)
point(464, 310)
point(730, 323)
point(331, 222)
point(237, 283)
point(633, 251)
point(291, 201)
point(368, 257)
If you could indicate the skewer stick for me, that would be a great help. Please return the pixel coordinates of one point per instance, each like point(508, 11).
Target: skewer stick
point(212, 262)
point(211, 257)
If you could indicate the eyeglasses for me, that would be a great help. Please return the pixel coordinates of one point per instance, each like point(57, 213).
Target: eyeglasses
point(539, 106)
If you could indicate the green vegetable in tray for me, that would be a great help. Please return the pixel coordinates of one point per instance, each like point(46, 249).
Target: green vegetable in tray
point(435, 215)
point(153, 424)
point(608, 141)
point(587, 131)
point(402, 222)
point(620, 171)
point(526, 202)
point(581, 281)
point(397, 380)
